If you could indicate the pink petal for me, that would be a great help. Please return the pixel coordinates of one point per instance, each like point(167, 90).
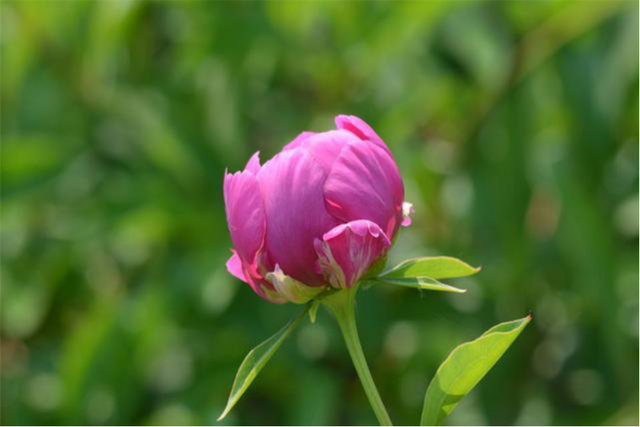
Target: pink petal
point(234, 266)
point(292, 187)
point(249, 273)
point(253, 165)
point(325, 147)
point(347, 251)
point(247, 225)
point(365, 183)
point(297, 140)
point(245, 214)
point(361, 129)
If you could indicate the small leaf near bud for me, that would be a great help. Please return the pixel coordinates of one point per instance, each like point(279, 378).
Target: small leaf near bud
point(291, 289)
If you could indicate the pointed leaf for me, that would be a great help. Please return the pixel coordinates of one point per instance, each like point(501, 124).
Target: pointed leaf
point(255, 361)
point(440, 267)
point(313, 311)
point(425, 283)
point(465, 367)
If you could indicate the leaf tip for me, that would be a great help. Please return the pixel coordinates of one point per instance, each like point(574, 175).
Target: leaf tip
point(313, 311)
point(230, 405)
point(224, 413)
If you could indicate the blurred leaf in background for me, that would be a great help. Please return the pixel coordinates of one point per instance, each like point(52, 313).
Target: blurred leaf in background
point(515, 125)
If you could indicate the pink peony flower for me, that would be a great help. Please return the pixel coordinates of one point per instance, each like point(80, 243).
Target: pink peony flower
point(319, 213)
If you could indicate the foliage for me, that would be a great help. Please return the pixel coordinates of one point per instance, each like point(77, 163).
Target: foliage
point(465, 367)
point(422, 273)
point(256, 360)
point(515, 125)
point(461, 372)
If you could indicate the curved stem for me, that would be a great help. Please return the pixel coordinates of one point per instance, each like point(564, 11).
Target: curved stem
point(342, 304)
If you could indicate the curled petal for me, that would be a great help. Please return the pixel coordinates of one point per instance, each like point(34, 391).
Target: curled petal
point(245, 213)
point(347, 251)
point(247, 225)
point(407, 212)
point(361, 129)
point(234, 266)
point(256, 275)
point(248, 274)
point(365, 183)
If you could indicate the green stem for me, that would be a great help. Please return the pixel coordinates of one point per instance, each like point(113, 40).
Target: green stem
point(342, 305)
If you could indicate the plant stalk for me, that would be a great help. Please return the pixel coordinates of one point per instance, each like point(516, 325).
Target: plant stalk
point(342, 305)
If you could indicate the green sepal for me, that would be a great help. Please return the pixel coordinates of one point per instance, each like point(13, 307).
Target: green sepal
point(291, 289)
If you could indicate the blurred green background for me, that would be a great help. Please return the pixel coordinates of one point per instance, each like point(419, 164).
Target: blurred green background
point(515, 125)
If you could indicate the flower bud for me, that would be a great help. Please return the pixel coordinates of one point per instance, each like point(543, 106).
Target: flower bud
point(319, 213)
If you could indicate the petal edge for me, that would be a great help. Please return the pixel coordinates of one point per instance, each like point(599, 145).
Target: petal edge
point(346, 252)
point(361, 129)
point(365, 183)
point(234, 266)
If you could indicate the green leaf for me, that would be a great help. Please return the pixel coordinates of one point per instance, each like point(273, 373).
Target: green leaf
point(313, 310)
point(440, 267)
point(255, 361)
point(465, 367)
point(426, 283)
